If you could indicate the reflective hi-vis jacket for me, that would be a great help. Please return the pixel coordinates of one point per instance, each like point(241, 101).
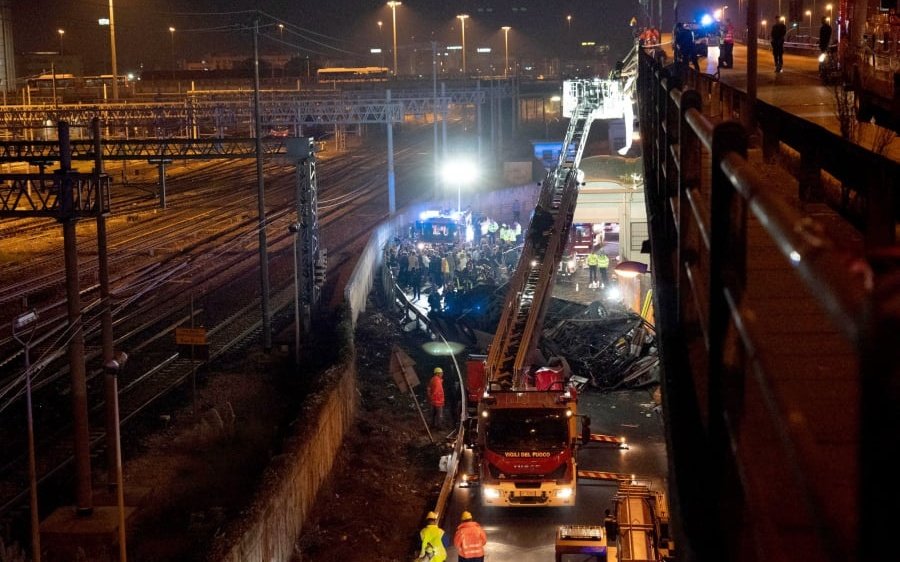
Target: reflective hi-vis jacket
point(436, 391)
point(593, 259)
point(470, 539)
point(604, 260)
point(434, 536)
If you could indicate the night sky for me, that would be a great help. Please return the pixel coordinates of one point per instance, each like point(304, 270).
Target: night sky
point(329, 29)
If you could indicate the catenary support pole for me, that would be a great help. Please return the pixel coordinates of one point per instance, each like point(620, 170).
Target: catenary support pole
point(106, 328)
point(434, 114)
point(261, 199)
point(392, 196)
point(84, 505)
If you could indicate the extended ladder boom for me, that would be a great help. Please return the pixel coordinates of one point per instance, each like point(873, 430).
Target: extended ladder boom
point(531, 285)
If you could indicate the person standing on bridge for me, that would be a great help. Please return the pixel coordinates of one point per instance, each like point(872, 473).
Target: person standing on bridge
point(469, 539)
point(685, 52)
point(779, 30)
point(824, 35)
point(726, 58)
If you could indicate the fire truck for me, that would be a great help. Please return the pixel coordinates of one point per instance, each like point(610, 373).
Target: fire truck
point(526, 435)
point(868, 33)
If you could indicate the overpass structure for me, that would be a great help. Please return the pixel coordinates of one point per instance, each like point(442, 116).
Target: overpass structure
point(776, 293)
point(204, 113)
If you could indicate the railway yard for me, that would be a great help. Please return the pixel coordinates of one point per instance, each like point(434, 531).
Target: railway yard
point(196, 441)
point(196, 263)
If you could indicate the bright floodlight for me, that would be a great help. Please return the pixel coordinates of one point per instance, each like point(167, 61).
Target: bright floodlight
point(460, 171)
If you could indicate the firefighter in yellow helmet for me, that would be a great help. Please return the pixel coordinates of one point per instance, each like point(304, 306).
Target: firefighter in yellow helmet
point(469, 539)
point(436, 397)
point(432, 540)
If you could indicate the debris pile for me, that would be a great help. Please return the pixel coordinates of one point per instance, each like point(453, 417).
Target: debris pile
point(603, 342)
point(611, 347)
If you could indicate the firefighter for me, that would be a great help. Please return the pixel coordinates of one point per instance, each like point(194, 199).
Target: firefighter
point(551, 377)
point(432, 540)
point(469, 539)
point(603, 267)
point(436, 397)
point(593, 262)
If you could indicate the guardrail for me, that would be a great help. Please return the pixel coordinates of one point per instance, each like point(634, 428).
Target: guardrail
point(755, 478)
point(398, 298)
point(861, 185)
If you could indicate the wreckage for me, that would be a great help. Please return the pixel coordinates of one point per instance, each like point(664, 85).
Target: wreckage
point(606, 345)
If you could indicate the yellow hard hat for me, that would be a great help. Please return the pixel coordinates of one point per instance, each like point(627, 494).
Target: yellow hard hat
point(466, 516)
point(438, 370)
point(431, 515)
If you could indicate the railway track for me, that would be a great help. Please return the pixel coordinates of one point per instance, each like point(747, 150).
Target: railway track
point(144, 384)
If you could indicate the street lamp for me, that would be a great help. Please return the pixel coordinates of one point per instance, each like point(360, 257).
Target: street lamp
point(809, 15)
point(61, 32)
point(393, 5)
point(381, 41)
point(830, 13)
point(28, 321)
point(172, 33)
point(569, 22)
point(112, 370)
point(462, 20)
point(281, 31)
point(459, 171)
point(111, 22)
point(505, 29)
point(763, 24)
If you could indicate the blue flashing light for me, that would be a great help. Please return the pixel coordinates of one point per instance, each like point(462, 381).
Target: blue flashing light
point(706, 19)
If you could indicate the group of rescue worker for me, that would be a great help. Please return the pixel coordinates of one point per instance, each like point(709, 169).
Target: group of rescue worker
point(469, 540)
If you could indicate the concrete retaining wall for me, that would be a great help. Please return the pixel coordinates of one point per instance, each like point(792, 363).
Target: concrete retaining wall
point(270, 527)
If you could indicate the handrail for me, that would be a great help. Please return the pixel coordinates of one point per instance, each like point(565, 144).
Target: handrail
point(807, 247)
point(459, 442)
point(872, 177)
point(704, 193)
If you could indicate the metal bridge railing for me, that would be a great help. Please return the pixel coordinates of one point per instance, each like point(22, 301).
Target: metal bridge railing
point(780, 407)
point(860, 184)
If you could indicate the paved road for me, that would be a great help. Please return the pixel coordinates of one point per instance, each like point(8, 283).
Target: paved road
point(528, 534)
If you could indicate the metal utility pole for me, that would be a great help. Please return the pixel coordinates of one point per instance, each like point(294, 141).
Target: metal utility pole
point(106, 327)
point(393, 5)
point(81, 438)
point(310, 256)
point(752, 66)
point(112, 52)
point(261, 199)
point(392, 196)
point(112, 370)
point(444, 120)
point(434, 110)
point(22, 322)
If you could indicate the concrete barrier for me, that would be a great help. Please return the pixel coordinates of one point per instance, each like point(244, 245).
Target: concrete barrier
point(269, 528)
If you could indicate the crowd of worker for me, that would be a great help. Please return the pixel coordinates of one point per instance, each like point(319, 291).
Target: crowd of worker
point(442, 271)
